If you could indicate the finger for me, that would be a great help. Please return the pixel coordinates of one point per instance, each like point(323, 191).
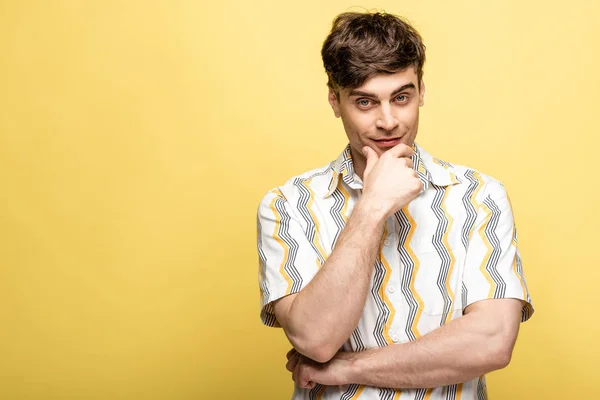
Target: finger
point(295, 374)
point(400, 150)
point(292, 362)
point(304, 377)
point(420, 186)
point(290, 353)
point(372, 158)
point(297, 370)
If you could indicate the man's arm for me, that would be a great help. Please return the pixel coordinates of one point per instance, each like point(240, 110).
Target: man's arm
point(321, 317)
point(479, 342)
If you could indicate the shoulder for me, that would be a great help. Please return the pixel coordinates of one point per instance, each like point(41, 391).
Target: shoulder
point(478, 184)
point(303, 186)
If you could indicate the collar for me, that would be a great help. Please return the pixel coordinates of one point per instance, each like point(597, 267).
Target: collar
point(431, 170)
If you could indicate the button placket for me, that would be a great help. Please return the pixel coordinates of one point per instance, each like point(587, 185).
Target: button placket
point(393, 283)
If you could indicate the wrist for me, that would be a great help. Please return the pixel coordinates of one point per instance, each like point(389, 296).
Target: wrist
point(372, 210)
point(351, 372)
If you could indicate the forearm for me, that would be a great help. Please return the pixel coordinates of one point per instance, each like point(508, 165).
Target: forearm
point(323, 315)
point(454, 353)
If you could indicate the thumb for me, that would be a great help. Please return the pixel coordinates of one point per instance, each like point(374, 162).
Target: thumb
point(372, 158)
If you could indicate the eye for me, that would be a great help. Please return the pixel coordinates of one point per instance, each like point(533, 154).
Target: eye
point(363, 102)
point(401, 98)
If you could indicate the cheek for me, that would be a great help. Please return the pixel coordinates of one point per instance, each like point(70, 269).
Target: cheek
point(363, 122)
point(357, 124)
point(410, 117)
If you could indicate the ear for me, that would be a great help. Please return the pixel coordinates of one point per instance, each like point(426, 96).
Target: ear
point(334, 102)
point(421, 93)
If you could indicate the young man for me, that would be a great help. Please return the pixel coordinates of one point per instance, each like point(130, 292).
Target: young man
point(393, 274)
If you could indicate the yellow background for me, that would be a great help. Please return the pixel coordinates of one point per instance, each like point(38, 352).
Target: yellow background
point(137, 137)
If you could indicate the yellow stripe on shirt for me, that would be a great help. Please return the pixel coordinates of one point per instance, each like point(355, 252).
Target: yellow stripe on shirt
point(473, 198)
point(381, 292)
point(361, 388)
point(459, 390)
point(413, 226)
point(320, 392)
point(316, 239)
point(286, 250)
point(449, 250)
point(346, 195)
point(488, 245)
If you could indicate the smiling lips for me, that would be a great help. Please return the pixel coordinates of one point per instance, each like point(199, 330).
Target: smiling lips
point(386, 143)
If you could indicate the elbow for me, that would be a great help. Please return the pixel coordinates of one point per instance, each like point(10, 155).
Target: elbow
point(315, 349)
point(499, 355)
point(497, 360)
point(320, 354)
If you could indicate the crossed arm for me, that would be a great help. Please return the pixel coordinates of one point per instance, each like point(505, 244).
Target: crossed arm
point(479, 342)
point(320, 318)
point(317, 325)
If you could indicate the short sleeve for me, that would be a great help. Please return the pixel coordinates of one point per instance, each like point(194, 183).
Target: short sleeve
point(287, 261)
point(493, 268)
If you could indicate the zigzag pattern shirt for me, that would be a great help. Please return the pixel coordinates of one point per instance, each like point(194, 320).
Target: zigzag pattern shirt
point(455, 244)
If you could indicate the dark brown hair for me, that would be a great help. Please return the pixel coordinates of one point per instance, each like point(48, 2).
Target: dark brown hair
point(364, 44)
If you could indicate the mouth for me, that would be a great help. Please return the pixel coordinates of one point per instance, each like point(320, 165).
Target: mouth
point(387, 142)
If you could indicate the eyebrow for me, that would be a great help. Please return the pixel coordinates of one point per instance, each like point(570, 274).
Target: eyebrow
point(356, 92)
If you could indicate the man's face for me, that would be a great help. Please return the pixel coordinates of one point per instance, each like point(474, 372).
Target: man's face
point(381, 113)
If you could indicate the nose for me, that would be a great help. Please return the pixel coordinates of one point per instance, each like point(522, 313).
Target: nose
point(386, 119)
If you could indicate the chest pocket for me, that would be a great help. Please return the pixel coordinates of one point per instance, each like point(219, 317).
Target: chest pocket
point(438, 283)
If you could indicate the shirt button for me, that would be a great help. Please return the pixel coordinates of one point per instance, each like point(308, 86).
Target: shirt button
point(387, 242)
point(391, 289)
point(395, 338)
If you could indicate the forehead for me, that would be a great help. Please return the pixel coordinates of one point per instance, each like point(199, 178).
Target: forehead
point(385, 84)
